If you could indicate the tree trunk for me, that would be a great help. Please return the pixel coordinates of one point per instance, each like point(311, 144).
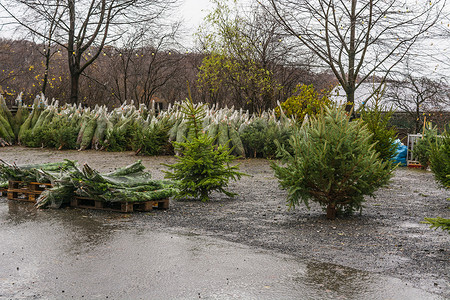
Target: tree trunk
point(75, 79)
point(47, 68)
point(331, 211)
point(350, 90)
point(349, 106)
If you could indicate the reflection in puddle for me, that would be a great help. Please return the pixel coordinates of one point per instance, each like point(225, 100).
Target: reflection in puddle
point(336, 279)
point(68, 253)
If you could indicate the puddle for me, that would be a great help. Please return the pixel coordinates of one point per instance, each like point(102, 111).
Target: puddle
point(65, 254)
point(413, 225)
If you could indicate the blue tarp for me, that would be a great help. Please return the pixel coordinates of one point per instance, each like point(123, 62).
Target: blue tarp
point(400, 155)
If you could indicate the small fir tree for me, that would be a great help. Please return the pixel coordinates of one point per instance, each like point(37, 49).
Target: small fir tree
point(202, 167)
point(333, 164)
point(377, 119)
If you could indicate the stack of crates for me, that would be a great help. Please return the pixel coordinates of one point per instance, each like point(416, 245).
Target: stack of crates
point(411, 161)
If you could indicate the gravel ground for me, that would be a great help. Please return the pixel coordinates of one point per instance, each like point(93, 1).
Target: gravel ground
point(387, 238)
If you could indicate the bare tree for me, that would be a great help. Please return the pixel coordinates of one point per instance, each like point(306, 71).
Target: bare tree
point(20, 69)
point(140, 64)
point(251, 62)
point(83, 27)
point(356, 39)
point(418, 97)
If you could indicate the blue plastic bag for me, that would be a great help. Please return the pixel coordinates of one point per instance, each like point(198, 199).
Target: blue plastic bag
point(401, 153)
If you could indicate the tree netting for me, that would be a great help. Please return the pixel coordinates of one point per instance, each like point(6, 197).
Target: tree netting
point(128, 184)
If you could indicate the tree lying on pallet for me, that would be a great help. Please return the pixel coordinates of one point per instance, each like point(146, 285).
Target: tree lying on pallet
point(202, 167)
point(43, 173)
point(333, 164)
point(128, 184)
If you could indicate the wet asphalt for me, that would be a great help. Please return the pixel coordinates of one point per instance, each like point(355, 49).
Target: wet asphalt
point(80, 254)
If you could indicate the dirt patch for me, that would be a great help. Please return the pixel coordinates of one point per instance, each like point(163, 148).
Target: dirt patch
point(387, 238)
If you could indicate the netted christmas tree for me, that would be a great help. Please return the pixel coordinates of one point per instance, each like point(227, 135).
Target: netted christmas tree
point(333, 164)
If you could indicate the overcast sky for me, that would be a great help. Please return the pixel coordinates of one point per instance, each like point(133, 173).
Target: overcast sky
point(193, 12)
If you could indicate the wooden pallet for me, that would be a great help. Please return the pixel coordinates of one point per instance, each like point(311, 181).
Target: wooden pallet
point(38, 187)
point(414, 164)
point(26, 191)
point(83, 202)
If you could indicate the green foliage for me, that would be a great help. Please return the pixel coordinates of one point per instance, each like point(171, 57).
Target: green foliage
point(65, 135)
point(333, 164)
point(377, 121)
point(153, 139)
point(440, 160)
point(440, 165)
point(304, 101)
point(117, 140)
point(219, 71)
point(19, 118)
point(120, 137)
point(202, 168)
point(438, 222)
point(40, 137)
point(6, 131)
point(259, 138)
point(422, 149)
point(56, 134)
point(233, 65)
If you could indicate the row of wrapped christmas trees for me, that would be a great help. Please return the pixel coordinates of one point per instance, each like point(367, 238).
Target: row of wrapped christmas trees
point(137, 128)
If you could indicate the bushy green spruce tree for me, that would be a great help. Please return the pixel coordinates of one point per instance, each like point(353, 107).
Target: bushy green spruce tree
point(439, 156)
point(440, 165)
point(333, 164)
point(202, 167)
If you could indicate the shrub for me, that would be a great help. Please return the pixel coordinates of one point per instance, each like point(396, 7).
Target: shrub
point(43, 136)
point(57, 134)
point(333, 164)
point(305, 101)
point(253, 138)
point(119, 138)
point(202, 167)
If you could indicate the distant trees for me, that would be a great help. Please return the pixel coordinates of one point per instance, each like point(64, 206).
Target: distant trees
point(140, 64)
point(418, 97)
point(82, 27)
point(120, 50)
point(110, 80)
point(23, 67)
point(356, 39)
point(248, 62)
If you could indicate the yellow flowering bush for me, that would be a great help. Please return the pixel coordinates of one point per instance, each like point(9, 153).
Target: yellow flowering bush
point(305, 101)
